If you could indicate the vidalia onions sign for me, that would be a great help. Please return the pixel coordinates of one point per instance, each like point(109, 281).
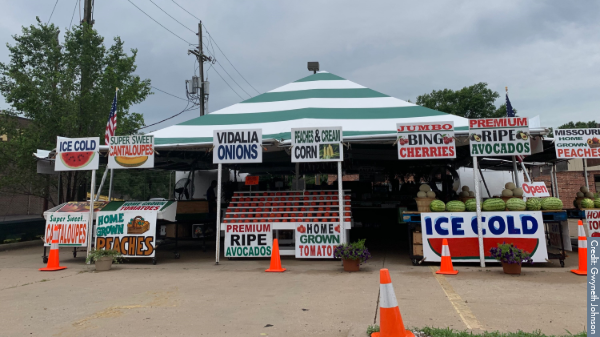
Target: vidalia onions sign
point(131, 152)
point(323, 144)
point(237, 146)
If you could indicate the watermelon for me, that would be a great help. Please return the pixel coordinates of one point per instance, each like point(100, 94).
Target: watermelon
point(516, 204)
point(552, 203)
point(77, 160)
point(494, 204)
point(455, 206)
point(587, 203)
point(468, 248)
point(437, 206)
point(534, 204)
point(471, 205)
point(597, 203)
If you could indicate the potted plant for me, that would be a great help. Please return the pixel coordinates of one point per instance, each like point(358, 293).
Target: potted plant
point(511, 257)
point(103, 259)
point(352, 254)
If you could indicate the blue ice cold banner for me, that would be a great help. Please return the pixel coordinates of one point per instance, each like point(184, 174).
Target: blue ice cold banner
point(237, 146)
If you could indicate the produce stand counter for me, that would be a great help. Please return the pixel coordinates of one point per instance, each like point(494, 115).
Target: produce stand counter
point(191, 222)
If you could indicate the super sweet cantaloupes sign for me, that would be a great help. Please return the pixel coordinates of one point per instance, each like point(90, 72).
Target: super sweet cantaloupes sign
point(131, 152)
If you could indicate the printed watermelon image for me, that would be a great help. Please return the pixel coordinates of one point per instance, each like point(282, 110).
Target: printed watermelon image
point(77, 160)
point(468, 248)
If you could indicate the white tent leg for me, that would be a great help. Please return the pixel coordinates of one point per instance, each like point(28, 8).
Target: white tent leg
point(91, 221)
point(526, 172)
point(219, 178)
point(110, 184)
point(101, 184)
point(341, 203)
point(478, 209)
point(555, 182)
point(516, 171)
point(585, 173)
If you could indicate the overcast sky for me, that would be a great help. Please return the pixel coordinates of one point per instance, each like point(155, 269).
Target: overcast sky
point(546, 52)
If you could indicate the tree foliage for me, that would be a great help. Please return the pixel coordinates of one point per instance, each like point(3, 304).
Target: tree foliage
point(476, 101)
point(64, 89)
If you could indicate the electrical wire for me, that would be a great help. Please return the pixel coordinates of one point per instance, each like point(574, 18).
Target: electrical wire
point(227, 83)
point(175, 115)
point(184, 26)
point(53, 8)
point(72, 16)
point(164, 92)
point(186, 10)
point(179, 37)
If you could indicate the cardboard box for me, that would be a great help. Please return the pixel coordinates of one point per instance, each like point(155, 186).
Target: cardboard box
point(417, 238)
point(418, 250)
point(183, 231)
point(192, 207)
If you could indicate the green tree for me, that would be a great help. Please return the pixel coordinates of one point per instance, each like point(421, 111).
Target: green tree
point(65, 89)
point(476, 101)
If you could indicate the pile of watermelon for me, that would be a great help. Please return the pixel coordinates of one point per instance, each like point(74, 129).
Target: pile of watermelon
point(516, 204)
point(437, 206)
point(455, 206)
point(552, 204)
point(493, 204)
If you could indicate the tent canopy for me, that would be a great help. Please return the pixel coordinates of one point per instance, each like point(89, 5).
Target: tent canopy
point(321, 99)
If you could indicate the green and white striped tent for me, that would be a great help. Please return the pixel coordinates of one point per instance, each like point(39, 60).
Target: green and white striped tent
point(322, 99)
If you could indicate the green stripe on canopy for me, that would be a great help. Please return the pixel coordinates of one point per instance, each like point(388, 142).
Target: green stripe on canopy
point(321, 77)
point(315, 93)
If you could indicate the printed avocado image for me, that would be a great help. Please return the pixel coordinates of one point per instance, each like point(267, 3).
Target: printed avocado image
point(522, 135)
point(475, 137)
point(329, 151)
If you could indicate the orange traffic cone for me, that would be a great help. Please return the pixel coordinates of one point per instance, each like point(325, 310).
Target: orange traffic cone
point(391, 324)
point(275, 259)
point(582, 244)
point(446, 267)
point(53, 263)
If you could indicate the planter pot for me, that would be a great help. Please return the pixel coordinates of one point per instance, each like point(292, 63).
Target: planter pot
point(511, 268)
point(104, 263)
point(351, 265)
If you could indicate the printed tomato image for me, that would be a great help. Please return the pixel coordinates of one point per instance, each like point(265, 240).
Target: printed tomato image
point(337, 228)
point(468, 248)
point(595, 235)
point(301, 229)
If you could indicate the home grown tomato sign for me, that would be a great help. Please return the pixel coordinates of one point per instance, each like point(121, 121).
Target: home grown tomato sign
point(317, 239)
point(593, 223)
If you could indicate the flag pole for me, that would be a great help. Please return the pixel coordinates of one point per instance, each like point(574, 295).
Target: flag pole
point(106, 171)
point(112, 171)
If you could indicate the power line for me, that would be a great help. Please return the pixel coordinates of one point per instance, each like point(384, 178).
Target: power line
point(227, 83)
point(179, 37)
point(166, 119)
point(184, 26)
point(164, 92)
point(72, 16)
point(186, 10)
point(50, 18)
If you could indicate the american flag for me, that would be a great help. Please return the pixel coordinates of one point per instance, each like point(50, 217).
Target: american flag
point(511, 113)
point(111, 125)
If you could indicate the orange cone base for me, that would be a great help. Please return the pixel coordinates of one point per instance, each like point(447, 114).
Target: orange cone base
point(280, 270)
point(579, 272)
point(52, 269)
point(451, 272)
point(408, 334)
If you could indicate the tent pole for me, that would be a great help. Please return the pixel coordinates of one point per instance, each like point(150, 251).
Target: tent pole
point(526, 172)
point(218, 233)
point(478, 209)
point(585, 172)
point(555, 182)
point(484, 183)
point(90, 233)
point(341, 203)
point(101, 183)
point(110, 184)
point(297, 183)
point(516, 171)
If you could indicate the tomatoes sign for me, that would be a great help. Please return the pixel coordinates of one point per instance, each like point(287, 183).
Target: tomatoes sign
point(426, 140)
point(317, 239)
point(531, 190)
point(593, 223)
point(523, 229)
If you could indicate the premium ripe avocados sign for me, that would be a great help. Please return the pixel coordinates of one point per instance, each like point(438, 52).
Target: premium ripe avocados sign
point(577, 143)
point(237, 146)
point(248, 240)
point(499, 136)
point(76, 154)
point(426, 140)
point(131, 152)
point(322, 144)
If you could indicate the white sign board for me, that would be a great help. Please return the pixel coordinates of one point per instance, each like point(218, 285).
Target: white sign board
point(322, 144)
point(535, 190)
point(577, 143)
point(523, 229)
point(131, 152)
point(237, 146)
point(133, 233)
point(72, 228)
point(593, 223)
point(499, 136)
point(426, 140)
point(317, 239)
point(248, 240)
point(77, 154)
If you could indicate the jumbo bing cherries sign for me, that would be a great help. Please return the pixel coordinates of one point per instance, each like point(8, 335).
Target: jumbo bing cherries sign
point(426, 140)
point(237, 146)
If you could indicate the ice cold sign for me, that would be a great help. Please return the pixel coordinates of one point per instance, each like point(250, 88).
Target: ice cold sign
point(237, 146)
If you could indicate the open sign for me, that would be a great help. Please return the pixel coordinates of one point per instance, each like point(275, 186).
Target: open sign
point(538, 189)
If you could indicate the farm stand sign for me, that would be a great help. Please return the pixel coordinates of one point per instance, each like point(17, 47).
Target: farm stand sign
point(524, 229)
point(499, 136)
point(426, 140)
point(72, 228)
point(142, 205)
point(593, 223)
point(237, 146)
point(248, 240)
point(322, 144)
point(131, 152)
point(130, 232)
point(76, 154)
point(317, 239)
point(577, 143)
point(538, 189)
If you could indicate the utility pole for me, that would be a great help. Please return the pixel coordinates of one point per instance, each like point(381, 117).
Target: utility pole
point(201, 63)
point(87, 12)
